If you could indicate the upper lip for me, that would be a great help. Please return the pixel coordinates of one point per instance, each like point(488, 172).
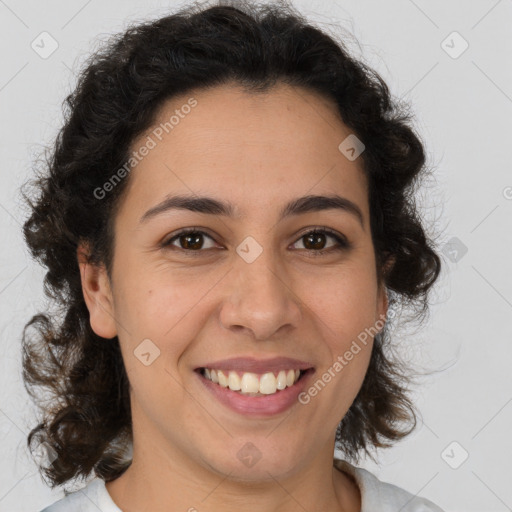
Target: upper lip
point(253, 365)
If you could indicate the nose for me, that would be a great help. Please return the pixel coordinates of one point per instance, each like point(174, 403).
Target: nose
point(260, 300)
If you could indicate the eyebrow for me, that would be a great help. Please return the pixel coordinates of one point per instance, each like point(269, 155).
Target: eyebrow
point(211, 206)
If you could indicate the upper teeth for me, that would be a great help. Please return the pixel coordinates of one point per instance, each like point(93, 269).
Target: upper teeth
point(266, 384)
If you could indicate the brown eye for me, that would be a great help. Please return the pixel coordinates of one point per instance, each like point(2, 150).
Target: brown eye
point(315, 241)
point(191, 240)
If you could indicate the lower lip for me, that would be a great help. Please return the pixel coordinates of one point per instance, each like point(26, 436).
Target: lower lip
point(267, 405)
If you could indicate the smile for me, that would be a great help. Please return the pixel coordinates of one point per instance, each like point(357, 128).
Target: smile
point(255, 404)
point(253, 384)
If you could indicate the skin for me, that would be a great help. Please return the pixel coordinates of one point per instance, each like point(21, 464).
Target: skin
point(258, 151)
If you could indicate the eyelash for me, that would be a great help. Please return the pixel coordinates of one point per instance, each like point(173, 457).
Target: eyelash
point(343, 244)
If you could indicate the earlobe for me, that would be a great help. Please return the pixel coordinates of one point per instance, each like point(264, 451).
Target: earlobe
point(97, 294)
point(384, 303)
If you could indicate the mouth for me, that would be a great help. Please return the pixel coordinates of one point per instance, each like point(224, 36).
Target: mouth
point(256, 395)
point(254, 384)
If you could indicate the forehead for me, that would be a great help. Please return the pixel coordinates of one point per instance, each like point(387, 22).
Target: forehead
point(255, 149)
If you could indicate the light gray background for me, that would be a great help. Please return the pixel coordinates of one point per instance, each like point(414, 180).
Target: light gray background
point(463, 107)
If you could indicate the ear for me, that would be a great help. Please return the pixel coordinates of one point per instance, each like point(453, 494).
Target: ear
point(97, 294)
point(382, 303)
point(382, 299)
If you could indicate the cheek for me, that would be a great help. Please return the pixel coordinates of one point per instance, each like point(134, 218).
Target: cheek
point(169, 311)
point(157, 327)
point(344, 310)
point(345, 301)
point(152, 302)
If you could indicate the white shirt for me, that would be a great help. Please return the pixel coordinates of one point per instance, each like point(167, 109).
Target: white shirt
point(376, 496)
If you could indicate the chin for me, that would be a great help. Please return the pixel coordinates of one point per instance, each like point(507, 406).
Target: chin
point(251, 464)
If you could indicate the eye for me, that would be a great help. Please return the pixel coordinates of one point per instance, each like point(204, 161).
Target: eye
point(315, 241)
point(191, 240)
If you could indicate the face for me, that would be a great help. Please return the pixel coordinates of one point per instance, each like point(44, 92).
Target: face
point(248, 283)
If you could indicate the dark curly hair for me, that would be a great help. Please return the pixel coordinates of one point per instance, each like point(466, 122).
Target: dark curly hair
point(85, 421)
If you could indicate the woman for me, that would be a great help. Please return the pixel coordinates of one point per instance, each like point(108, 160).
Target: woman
point(226, 218)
